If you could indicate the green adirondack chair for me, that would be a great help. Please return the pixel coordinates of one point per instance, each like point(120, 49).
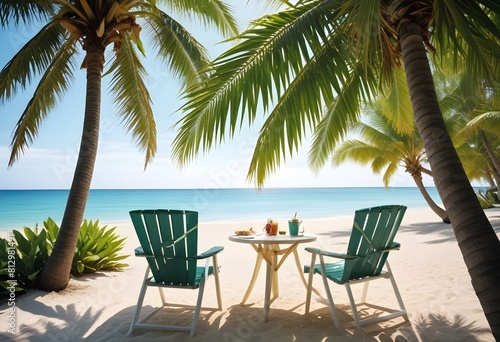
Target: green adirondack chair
point(169, 242)
point(369, 245)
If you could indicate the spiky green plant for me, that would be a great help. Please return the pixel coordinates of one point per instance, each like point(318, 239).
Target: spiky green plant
point(97, 249)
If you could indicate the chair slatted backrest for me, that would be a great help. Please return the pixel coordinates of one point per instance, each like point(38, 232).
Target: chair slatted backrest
point(171, 236)
point(373, 232)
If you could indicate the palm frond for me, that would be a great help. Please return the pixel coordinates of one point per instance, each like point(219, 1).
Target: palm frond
point(475, 163)
point(51, 88)
point(299, 108)
point(249, 77)
point(376, 133)
point(399, 110)
point(32, 60)
point(132, 99)
point(363, 25)
point(452, 100)
point(355, 151)
point(27, 12)
point(489, 121)
point(390, 171)
point(214, 13)
point(184, 55)
point(464, 26)
point(340, 114)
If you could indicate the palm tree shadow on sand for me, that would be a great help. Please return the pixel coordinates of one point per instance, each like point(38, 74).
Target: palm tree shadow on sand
point(444, 230)
point(438, 327)
point(244, 323)
point(72, 325)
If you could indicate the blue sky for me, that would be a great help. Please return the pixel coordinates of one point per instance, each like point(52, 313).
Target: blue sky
point(49, 162)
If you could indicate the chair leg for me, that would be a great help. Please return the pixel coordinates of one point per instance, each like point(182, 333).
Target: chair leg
point(140, 300)
point(310, 283)
point(162, 296)
point(331, 303)
point(198, 306)
point(353, 306)
point(365, 292)
point(217, 282)
point(396, 292)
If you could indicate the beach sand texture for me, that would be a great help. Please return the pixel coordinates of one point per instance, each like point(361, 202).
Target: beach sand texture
point(428, 269)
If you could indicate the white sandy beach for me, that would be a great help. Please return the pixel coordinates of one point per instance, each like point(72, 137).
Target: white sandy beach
point(429, 271)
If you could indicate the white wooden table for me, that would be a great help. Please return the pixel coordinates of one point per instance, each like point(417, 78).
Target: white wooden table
point(269, 248)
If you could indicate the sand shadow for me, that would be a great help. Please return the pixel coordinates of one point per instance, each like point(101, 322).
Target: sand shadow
point(437, 327)
point(95, 276)
point(74, 325)
point(237, 323)
point(245, 323)
point(442, 231)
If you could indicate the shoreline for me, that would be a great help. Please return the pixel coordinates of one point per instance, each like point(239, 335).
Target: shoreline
point(428, 269)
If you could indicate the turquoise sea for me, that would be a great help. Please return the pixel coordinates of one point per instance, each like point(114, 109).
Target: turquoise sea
point(19, 208)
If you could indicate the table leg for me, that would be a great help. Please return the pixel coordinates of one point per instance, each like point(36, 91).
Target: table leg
point(258, 263)
point(268, 291)
point(274, 273)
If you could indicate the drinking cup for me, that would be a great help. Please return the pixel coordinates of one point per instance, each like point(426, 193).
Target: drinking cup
point(293, 227)
point(274, 228)
point(267, 228)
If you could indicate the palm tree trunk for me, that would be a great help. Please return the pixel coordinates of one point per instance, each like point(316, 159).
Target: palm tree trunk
point(476, 238)
point(491, 154)
point(489, 179)
point(55, 274)
point(417, 178)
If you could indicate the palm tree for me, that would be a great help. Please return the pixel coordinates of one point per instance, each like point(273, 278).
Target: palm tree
point(92, 26)
point(333, 54)
point(387, 148)
point(479, 103)
point(476, 161)
point(486, 126)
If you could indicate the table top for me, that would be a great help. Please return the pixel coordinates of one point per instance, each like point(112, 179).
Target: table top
point(272, 239)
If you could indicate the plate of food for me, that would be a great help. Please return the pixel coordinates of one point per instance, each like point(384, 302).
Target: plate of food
point(248, 232)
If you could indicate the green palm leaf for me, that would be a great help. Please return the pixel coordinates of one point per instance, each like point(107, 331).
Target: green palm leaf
point(463, 27)
point(247, 74)
point(132, 99)
point(25, 11)
point(184, 55)
point(398, 110)
point(52, 86)
point(213, 13)
point(340, 114)
point(32, 60)
point(489, 121)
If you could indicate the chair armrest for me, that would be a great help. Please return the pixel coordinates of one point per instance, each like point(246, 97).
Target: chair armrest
point(211, 252)
point(393, 246)
point(330, 254)
point(139, 252)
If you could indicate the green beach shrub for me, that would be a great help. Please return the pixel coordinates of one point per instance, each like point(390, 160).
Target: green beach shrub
point(97, 249)
point(22, 257)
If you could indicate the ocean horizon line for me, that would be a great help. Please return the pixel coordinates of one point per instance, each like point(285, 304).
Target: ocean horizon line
point(26, 207)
